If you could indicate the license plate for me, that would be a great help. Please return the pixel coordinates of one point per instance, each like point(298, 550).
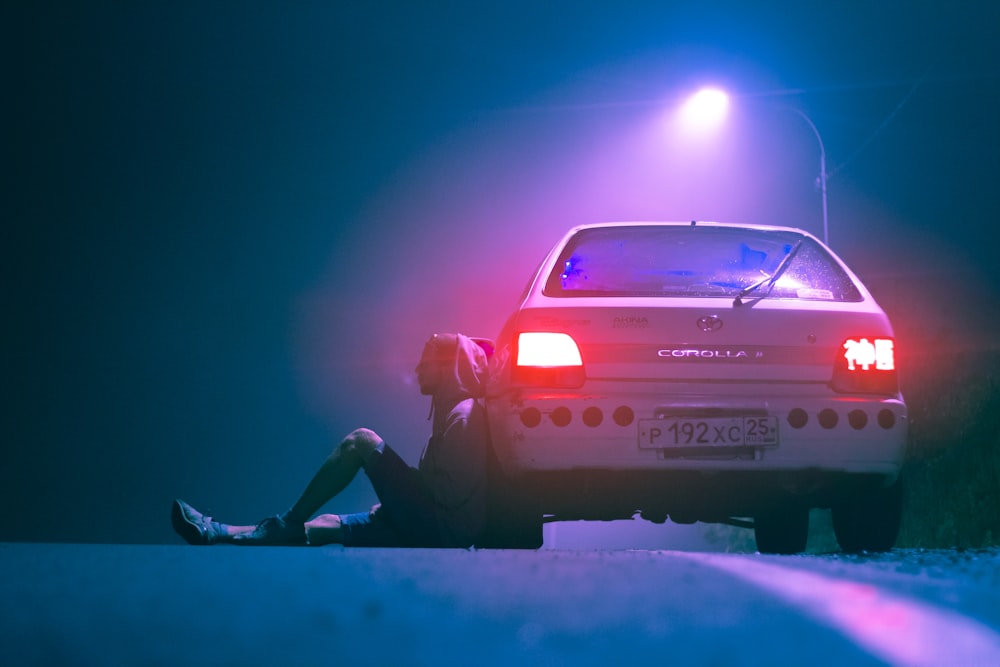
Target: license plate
point(709, 432)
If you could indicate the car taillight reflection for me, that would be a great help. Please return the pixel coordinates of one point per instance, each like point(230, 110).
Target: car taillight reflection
point(548, 359)
point(867, 366)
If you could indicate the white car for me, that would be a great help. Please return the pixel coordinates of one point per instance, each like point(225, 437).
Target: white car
point(702, 372)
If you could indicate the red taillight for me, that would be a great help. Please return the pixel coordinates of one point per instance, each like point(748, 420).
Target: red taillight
point(547, 359)
point(866, 365)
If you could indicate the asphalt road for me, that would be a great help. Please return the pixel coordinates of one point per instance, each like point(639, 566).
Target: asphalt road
point(81, 604)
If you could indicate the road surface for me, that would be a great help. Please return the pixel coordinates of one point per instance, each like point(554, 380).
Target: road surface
point(86, 604)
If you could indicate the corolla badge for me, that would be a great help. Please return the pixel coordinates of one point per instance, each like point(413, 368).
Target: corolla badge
point(709, 323)
point(695, 353)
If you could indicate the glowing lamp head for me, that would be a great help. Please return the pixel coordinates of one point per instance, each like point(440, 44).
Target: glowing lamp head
point(705, 109)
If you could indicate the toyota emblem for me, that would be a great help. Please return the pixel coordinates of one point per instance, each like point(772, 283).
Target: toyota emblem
point(709, 323)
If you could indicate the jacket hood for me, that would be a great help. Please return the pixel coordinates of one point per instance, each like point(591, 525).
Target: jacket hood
point(464, 367)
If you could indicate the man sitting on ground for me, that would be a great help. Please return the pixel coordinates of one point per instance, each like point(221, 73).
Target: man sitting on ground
point(440, 503)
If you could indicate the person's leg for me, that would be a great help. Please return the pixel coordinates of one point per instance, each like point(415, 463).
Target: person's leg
point(409, 524)
point(333, 476)
point(336, 472)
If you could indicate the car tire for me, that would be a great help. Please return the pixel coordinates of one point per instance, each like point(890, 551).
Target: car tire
point(783, 530)
point(513, 519)
point(512, 522)
point(868, 519)
point(525, 533)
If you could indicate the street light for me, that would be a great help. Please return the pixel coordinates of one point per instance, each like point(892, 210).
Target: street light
point(822, 169)
point(707, 108)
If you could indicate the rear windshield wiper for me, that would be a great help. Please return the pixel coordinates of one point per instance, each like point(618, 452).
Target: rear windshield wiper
point(769, 280)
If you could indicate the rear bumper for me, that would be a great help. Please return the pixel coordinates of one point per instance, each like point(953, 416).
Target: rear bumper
point(536, 432)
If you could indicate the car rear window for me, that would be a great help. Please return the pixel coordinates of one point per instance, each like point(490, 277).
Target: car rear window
point(685, 261)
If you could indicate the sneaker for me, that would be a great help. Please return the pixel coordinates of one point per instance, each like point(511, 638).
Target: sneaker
point(195, 527)
point(273, 531)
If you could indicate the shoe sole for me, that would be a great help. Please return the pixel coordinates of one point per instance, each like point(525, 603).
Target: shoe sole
point(187, 530)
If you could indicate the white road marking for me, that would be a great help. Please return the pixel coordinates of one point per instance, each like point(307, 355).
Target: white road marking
point(894, 628)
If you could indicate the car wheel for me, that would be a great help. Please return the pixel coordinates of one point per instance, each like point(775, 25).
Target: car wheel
point(783, 530)
point(869, 519)
point(512, 534)
point(513, 520)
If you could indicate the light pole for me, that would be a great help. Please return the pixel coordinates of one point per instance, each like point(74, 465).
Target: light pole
point(822, 170)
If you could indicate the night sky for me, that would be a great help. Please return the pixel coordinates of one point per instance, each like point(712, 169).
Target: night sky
point(230, 227)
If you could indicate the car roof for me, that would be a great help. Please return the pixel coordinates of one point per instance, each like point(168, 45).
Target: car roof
point(690, 223)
